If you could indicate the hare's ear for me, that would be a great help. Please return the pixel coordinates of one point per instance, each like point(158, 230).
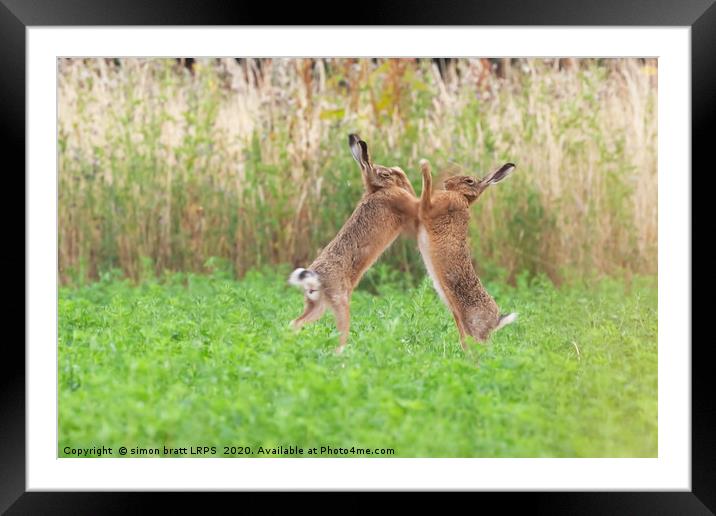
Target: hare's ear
point(353, 140)
point(498, 175)
point(365, 157)
point(359, 149)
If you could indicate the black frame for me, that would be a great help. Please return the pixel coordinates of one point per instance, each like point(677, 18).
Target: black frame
point(16, 15)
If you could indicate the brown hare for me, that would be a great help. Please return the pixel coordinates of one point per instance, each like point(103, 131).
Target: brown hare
point(443, 242)
point(388, 207)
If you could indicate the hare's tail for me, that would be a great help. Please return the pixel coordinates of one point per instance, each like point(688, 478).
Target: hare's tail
point(308, 280)
point(505, 320)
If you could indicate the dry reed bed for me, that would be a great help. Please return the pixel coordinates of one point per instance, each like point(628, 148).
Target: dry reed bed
point(163, 168)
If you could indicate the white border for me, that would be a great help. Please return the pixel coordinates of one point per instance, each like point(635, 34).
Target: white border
point(670, 471)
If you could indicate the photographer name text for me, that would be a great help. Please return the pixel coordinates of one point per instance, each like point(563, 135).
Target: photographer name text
point(223, 451)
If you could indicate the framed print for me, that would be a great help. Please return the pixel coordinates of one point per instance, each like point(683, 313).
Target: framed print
point(451, 252)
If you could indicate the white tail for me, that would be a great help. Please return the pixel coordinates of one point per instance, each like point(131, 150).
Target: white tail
point(505, 320)
point(308, 280)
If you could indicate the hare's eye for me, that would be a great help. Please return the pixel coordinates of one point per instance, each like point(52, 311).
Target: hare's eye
point(470, 181)
point(385, 175)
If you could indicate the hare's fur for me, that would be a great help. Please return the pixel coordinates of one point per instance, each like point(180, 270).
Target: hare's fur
point(443, 242)
point(388, 207)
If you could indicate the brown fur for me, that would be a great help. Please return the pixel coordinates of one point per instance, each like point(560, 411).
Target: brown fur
point(388, 206)
point(443, 240)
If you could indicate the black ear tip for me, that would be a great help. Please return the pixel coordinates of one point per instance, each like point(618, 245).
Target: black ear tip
point(353, 139)
point(504, 170)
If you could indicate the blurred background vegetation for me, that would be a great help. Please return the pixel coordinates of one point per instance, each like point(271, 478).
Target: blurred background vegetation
point(193, 164)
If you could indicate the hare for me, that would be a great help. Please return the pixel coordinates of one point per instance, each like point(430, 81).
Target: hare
point(442, 239)
point(388, 206)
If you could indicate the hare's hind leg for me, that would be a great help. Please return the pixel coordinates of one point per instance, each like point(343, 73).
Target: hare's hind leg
point(313, 311)
point(461, 329)
point(341, 308)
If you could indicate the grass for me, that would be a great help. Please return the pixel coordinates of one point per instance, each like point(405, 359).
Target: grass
point(192, 360)
point(249, 162)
